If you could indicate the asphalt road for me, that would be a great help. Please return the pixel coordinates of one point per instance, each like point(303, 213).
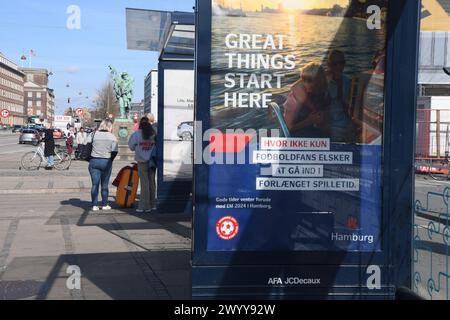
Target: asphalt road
point(9, 145)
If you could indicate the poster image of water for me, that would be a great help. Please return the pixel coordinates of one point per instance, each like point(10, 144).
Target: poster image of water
point(314, 72)
point(323, 52)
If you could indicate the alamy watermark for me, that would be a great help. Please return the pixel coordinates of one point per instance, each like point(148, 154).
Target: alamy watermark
point(374, 21)
point(74, 280)
point(74, 20)
point(229, 147)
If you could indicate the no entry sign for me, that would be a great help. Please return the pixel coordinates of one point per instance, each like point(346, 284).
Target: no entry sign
point(79, 112)
point(5, 113)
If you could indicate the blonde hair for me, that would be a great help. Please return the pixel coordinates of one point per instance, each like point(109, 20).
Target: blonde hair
point(106, 125)
point(151, 118)
point(317, 72)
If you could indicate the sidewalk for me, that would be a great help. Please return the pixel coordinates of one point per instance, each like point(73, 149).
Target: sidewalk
point(46, 225)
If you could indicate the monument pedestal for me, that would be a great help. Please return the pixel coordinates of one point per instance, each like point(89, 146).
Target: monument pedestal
point(123, 129)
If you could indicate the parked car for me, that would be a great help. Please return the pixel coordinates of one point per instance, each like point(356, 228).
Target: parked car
point(185, 131)
point(30, 136)
point(17, 128)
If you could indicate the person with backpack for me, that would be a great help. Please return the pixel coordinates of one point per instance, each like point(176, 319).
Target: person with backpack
point(142, 142)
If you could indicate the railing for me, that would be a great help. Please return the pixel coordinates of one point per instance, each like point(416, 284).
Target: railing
point(432, 134)
point(431, 254)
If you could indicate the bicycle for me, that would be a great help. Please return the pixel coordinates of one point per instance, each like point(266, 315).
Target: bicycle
point(440, 172)
point(32, 161)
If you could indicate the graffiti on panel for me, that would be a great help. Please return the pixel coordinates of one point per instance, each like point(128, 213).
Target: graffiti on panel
point(431, 244)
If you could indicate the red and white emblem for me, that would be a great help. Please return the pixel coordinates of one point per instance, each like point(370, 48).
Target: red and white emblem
point(79, 112)
point(5, 113)
point(227, 228)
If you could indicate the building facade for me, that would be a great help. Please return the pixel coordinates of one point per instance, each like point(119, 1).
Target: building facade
point(148, 92)
point(151, 93)
point(11, 92)
point(434, 56)
point(39, 100)
point(137, 109)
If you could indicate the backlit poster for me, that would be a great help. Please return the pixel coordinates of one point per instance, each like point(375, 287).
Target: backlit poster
point(297, 117)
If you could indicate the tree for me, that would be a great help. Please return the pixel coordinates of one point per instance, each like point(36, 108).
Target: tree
point(68, 112)
point(105, 102)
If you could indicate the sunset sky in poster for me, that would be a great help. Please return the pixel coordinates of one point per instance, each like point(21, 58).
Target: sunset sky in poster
point(252, 5)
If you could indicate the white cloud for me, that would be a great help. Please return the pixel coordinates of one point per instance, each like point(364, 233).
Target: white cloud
point(72, 69)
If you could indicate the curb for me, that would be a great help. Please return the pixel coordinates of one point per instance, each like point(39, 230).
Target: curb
point(48, 191)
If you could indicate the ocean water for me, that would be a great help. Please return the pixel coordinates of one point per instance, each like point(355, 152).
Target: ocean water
point(309, 39)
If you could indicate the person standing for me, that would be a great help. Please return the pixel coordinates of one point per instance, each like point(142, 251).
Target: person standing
point(142, 143)
point(153, 160)
point(151, 118)
point(69, 144)
point(49, 149)
point(81, 141)
point(105, 148)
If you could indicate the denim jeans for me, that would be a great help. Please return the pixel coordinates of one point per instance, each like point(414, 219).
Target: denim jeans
point(100, 170)
point(50, 161)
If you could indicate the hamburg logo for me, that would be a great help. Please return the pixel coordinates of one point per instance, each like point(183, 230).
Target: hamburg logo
point(227, 228)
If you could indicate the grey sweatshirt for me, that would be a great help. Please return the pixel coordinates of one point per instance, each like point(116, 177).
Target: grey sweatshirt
point(143, 148)
point(104, 143)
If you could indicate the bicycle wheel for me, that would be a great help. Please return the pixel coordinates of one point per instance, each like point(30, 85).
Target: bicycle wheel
point(62, 161)
point(31, 161)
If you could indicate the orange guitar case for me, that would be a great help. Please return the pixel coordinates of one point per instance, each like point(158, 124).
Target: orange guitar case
point(127, 187)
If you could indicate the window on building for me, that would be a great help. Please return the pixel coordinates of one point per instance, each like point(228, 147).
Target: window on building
point(38, 95)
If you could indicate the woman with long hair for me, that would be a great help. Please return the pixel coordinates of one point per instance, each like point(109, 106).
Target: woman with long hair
point(142, 143)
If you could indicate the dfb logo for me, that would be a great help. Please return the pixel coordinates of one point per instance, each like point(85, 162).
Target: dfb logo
point(74, 281)
point(74, 20)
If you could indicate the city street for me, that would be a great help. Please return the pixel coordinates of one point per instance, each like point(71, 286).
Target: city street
point(46, 226)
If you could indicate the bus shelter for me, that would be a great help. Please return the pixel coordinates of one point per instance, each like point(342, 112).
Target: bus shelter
point(172, 35)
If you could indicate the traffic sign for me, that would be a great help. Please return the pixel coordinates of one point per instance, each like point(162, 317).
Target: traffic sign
point(79, 112)
point(5, 113)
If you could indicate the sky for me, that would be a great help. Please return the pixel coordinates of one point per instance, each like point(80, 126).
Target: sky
point(252, 5)
point(78, 58)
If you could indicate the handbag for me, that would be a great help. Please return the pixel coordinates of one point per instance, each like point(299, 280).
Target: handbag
point(87, 150)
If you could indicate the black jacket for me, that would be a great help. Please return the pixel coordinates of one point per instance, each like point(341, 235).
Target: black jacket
point(49, 143)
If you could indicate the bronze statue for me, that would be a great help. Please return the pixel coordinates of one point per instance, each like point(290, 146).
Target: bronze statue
point(123, 87)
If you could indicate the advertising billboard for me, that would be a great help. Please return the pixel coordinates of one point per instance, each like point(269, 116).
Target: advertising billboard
point(303, 157)
point(178, 124)
point(302, 84)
